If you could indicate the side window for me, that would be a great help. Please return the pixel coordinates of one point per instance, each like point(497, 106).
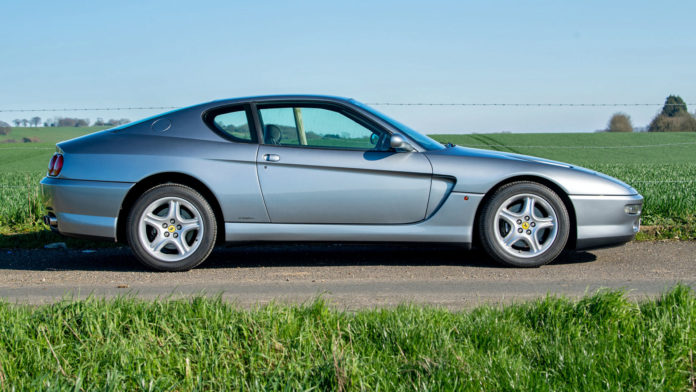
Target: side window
point(316, 127)
point(234, 124)
point(279, 126)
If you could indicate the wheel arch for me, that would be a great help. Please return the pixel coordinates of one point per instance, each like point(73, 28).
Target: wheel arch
point(162, 178)
point(572, 237)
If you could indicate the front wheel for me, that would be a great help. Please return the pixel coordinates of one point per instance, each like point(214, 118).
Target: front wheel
point(524, 224)
point(171, 227)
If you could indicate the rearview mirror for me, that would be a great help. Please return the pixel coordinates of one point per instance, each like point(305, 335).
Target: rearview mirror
point(397, 142)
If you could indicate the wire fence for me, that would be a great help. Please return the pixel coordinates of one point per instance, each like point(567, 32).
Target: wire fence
point(540, 104)
point(90, 109)
point(511, 104)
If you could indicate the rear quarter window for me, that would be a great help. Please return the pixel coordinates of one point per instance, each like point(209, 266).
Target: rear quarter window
point(232, 123)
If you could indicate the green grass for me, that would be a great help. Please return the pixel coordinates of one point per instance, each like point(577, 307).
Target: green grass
point(601, 342)
point(20, 195)
point(589, 148)
point(22, 165)
point(664, 173)
point(48, 136)
point(34, 157)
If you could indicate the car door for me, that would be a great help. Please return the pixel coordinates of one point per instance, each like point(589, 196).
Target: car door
point(323, 164)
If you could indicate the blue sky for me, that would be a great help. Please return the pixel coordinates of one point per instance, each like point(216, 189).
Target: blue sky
point(169, 53)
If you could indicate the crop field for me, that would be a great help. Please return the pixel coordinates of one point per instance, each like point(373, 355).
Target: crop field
point(18, 157)
point(601, 342)
point(661, 166)
point(22, 165)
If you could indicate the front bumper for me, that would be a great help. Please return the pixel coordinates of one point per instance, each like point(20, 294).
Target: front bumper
point(602, 220)
point(84, 208)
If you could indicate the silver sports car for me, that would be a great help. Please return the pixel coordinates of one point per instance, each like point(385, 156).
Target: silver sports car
point(315, 168)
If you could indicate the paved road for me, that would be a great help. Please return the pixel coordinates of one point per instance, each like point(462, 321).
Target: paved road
point(350, 276)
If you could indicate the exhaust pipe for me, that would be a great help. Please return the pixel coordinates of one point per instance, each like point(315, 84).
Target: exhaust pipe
point(50, 220)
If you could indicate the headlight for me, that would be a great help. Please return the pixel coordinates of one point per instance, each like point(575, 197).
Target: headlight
point(633, 209)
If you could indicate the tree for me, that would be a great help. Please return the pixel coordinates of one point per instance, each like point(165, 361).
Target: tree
point(681, 123)
point(66, 122)
point(17, 121)
point(115, 122)
point(620, 122)
point(674, 117)
point(35, 121)
point(4, 128)
point(72, 122)
point(25, 122)
point(674, 106)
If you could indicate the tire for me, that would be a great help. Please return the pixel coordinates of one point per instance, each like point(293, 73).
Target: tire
point(171, 227)
point(524, 224)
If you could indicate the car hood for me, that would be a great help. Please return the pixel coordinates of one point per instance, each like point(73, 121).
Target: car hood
point(495, 166)
point(479, 153)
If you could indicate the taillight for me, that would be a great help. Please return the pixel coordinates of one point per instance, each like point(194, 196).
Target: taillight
point(55, 165)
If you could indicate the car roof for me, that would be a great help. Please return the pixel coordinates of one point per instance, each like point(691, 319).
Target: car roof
point(250, 99)
point(200, 107)
point(279, 97)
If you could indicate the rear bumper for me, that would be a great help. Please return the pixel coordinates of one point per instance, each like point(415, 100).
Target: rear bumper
point(84, 208)
point(602, 221)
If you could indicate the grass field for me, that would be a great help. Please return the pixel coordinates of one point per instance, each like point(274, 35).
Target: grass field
point(601, 342)
point(661, 166)
point(33, 157)
point(22, 165)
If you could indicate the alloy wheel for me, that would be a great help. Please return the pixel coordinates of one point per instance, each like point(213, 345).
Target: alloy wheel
point(526, 225)
point(170, 229)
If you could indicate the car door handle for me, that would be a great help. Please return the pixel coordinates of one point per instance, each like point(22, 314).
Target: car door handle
point(271, 157)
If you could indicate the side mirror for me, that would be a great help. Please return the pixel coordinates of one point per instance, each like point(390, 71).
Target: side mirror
point(397, 142)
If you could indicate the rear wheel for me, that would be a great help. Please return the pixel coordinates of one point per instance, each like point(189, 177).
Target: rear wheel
point(171, 227)
point(524, 224)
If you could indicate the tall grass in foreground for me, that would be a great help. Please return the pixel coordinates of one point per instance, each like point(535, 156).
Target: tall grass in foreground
point(601, 342)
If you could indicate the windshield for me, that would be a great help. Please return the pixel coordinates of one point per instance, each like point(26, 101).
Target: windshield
point(424, 141)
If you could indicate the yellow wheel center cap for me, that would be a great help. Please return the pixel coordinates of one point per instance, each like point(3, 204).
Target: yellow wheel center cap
point(525, 225)
point(172, 229)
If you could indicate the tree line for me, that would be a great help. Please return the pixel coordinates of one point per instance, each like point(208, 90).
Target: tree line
point(68, 122)
point(674, 117)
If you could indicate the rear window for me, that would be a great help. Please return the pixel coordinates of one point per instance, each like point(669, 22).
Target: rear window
point(233, 124)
